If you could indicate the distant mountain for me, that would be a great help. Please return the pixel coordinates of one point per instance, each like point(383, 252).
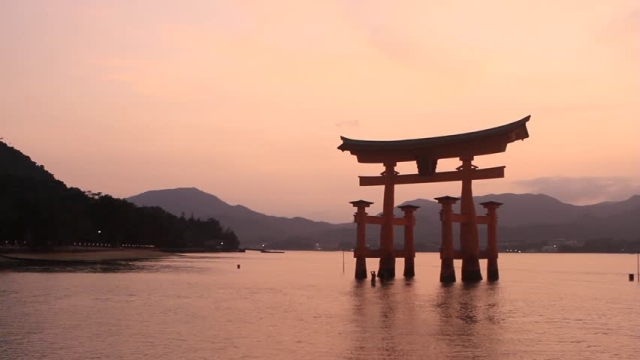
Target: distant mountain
point(522, 218)
point(532, 209)
point(253, 228)
point(536, 218)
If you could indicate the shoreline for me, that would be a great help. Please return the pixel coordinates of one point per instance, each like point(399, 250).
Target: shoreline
point(91, 256)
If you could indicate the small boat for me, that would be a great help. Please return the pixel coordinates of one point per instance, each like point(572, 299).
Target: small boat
point(272, 251)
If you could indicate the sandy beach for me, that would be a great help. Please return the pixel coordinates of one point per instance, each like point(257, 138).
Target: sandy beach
point(89, 256)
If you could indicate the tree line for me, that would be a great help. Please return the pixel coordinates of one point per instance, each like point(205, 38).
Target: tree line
point(39, 211)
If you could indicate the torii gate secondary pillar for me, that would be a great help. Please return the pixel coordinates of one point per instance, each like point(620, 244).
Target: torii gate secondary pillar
point(360, 253)
point(447, 270)
point(409, 246)
point(492, 239)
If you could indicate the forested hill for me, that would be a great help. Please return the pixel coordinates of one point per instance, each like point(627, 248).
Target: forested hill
point(15, 163)
point(40, 211)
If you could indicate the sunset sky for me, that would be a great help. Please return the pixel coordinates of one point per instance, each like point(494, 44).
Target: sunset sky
point(247, 99)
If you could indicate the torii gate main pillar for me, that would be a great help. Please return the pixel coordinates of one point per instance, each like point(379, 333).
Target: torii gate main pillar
point(469, 227)
point(447, 253)
point(387, 269)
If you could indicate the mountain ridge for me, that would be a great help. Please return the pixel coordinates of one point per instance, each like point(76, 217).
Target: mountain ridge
point(522, 216)
point(255, 227)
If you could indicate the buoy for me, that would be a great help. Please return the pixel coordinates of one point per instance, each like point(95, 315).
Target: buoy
point(238, 266)
point(631, 277)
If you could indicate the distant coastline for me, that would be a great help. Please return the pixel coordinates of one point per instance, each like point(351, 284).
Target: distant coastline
point(86, 256)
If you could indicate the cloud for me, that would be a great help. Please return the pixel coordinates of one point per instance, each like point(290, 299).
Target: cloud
point(583, 190)
point(348, 123)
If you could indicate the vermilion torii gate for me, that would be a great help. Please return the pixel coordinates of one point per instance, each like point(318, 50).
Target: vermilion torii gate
point(426, 152)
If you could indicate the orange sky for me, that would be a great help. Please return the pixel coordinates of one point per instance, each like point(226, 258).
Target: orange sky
point(247, 99)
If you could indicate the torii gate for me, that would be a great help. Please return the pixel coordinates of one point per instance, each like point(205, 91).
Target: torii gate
point(426, 152)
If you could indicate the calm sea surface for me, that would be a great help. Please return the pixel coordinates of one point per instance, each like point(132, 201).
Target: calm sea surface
point(300, 305)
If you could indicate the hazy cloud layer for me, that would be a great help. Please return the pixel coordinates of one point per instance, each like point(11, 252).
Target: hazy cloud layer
point(583, 190)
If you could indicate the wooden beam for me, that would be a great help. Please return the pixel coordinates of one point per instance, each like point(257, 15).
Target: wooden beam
point(458, 218)
point(373, 220)
point(477, 174)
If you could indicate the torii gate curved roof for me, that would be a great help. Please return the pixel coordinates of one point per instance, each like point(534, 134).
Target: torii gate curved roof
point(483, 142)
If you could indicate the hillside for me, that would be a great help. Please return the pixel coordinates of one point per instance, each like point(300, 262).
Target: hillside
point(15, 163)
point(536, 218)
point(252, 227)
point(529, 209)
point(41, 212)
